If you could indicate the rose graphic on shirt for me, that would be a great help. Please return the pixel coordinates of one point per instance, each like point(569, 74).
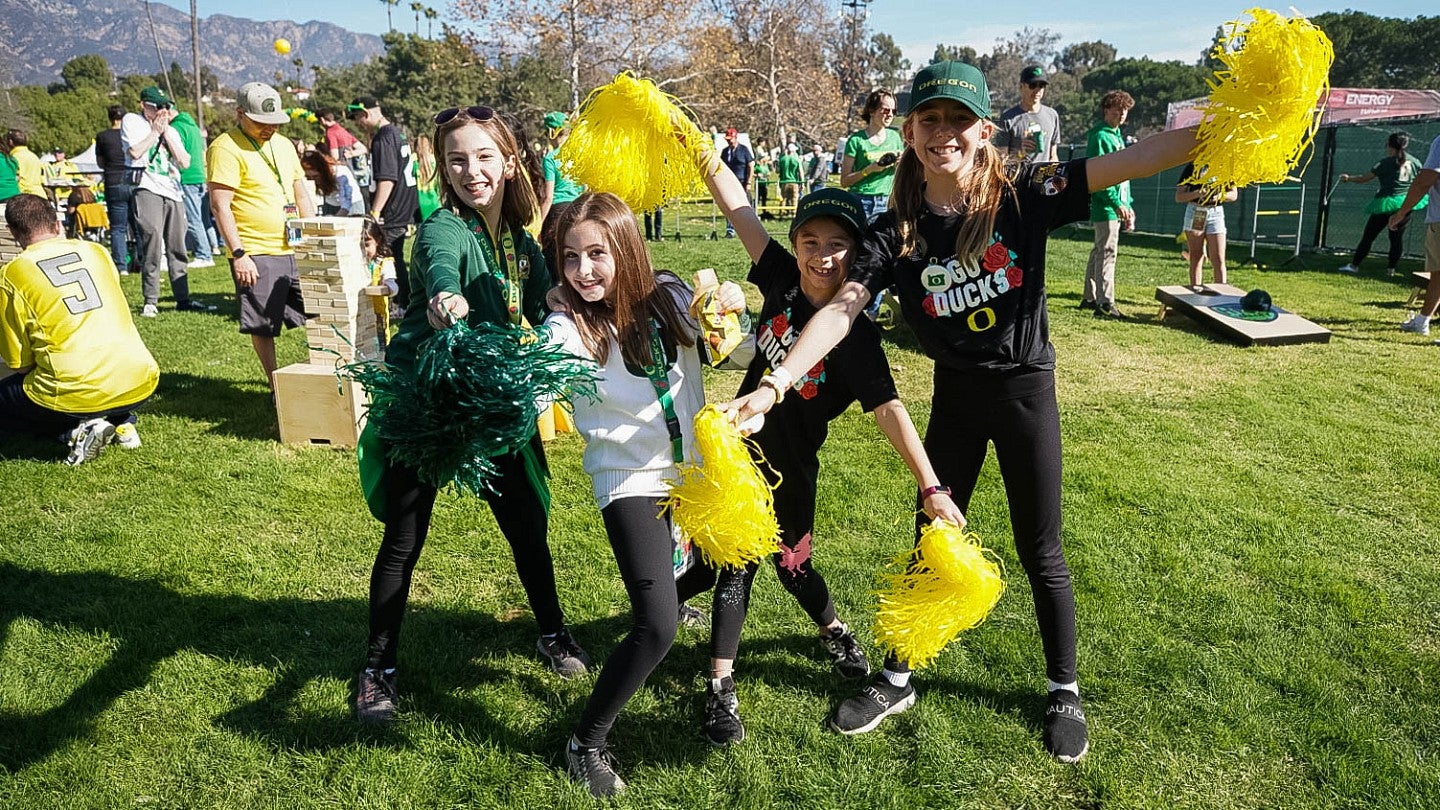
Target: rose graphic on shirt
point(929, 305)
point(1014, 275)
point(996, 256)
point(779, 324)
point(809, 385)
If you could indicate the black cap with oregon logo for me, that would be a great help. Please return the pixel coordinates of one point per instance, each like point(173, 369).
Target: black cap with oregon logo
point(842, 206)
point(954, 80)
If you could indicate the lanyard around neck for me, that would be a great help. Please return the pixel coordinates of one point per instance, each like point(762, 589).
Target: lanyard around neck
point(269, 161)
point(659, 375)
point(509, 273)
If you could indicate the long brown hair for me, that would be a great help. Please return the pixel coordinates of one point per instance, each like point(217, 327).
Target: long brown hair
point(323, 166)
point(980, 192)
point(519, 205)
point(637, 294)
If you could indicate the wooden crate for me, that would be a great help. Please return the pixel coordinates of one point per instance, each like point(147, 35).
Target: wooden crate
point(317, 408)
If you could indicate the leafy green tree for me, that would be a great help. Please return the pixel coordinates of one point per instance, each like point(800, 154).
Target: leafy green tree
point(1083, 57)
point(1390, 52)
point(1152, 84)
point(888, 65)
point(954, 53)
point(90, 70)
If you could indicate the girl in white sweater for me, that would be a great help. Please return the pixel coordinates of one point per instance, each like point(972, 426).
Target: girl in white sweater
point(633, 322)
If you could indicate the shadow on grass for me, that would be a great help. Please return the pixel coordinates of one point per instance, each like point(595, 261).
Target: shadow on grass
point(242, 410)
point(301, 642)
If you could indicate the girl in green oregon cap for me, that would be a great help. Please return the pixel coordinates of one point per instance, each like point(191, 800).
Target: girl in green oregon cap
point(963, 242)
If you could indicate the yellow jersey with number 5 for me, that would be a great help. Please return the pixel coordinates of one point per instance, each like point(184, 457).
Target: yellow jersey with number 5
point(64, 319)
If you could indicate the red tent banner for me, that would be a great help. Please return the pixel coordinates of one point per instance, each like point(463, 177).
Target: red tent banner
point(1344, 105)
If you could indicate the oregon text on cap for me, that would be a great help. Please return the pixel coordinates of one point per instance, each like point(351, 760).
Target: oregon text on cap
point(832, 201)
point(959, 82)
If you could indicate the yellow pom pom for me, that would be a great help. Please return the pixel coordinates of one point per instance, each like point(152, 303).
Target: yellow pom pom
point(950, 584)
point(282, 46)
point(724, 504)
point(636, 142)
point(1262, 113)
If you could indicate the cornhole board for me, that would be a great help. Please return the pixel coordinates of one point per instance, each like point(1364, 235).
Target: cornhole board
point(1288, 328)
point(1421, 280)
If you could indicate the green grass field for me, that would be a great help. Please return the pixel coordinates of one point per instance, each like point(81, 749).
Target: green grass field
point(180, 625)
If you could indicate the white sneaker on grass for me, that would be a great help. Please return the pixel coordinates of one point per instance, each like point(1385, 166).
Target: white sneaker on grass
point(88, 439)
point(126, 436)
point(1418, 324)
point(1349, 268)
point(149, 311)
point(196, 263)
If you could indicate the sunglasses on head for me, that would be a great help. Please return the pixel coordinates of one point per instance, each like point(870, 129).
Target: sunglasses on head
point(473, 113)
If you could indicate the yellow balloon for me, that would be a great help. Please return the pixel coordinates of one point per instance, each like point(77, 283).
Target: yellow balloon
point(282, 46)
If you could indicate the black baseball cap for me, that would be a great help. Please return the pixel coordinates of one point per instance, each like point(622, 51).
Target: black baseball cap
point(1033, 74)
point(840, 205)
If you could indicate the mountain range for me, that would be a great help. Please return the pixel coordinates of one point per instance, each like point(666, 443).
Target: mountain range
point(40, 36)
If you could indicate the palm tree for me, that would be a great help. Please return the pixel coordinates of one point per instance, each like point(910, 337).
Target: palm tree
point(299, 65)
point(430, 15)
point(389, 4)
point(417, 7)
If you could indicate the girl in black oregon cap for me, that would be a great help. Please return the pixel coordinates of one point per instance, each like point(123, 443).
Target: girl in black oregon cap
point(964, 243)
point(824, 234)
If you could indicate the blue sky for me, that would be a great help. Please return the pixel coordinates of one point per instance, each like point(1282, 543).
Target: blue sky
point(1160, 30)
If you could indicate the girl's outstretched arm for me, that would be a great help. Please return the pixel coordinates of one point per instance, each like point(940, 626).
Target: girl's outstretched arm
point(823, 332)
point(1150, 156)
point(734, 204)
point(894, 421)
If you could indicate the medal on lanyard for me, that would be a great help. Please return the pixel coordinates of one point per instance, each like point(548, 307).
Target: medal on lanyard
point(511, 270)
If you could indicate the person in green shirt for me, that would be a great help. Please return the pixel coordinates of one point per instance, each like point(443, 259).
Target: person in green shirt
point(764, 168)
point(9, 177)
point(557, 191)
point(192, 185)
point(1110, 208)
point(868, 168)
point(788, 169)
point(474, 261)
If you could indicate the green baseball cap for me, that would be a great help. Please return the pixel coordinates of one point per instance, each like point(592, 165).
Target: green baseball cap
point(154, 95)
point(960, 81)
point(838, 204)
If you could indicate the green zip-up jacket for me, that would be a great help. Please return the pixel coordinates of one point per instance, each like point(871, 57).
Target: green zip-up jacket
point(1102, 139)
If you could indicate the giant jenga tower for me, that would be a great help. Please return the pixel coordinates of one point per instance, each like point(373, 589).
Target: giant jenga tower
point(314, 405)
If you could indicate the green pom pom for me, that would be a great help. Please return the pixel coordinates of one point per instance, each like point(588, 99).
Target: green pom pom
point(472, 395)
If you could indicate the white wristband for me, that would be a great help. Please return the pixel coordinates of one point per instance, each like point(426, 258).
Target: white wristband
point(782, 377)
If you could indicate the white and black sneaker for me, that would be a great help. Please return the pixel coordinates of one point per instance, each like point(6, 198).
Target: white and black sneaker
point(375, 696)
point(87, 440)
point(722, 712)
point(1066, 736)
point(879, 700)
point(691, 616)
point(563, 654)
point(594, 768)
point(846, 654)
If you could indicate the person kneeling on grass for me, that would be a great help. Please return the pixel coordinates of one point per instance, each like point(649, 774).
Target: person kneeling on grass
point(825, 232)
point(79, 366)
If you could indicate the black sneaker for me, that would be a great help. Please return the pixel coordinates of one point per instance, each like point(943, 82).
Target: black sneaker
point(722, 712)
point(191, 305)
point(595, 769)
point(1084, 305)
point(563, 655)
point(875, 702)
point(375, 696)
point(1109, 311)
point(691, 616)
point(1065, 735)
point(846, 654)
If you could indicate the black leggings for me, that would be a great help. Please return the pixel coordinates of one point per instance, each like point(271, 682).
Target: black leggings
point(1373, 226)
point(1019, 414)
point(408, 504)
point(644, 553)
point(795, 508)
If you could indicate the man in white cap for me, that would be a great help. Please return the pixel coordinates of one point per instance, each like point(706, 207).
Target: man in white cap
point(256, 187)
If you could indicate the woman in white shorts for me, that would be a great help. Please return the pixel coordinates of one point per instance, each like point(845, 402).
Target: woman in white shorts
point(1204, 225)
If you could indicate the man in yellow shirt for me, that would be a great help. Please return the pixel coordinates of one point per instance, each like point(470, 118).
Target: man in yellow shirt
point(256, 187)
point(76, 363)
point(29, 169)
